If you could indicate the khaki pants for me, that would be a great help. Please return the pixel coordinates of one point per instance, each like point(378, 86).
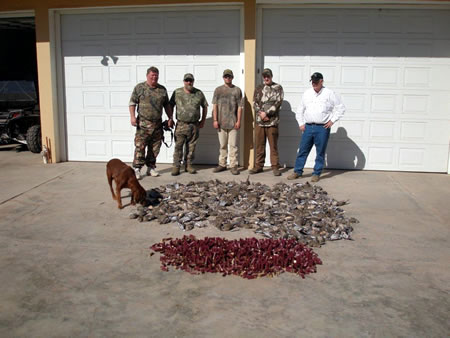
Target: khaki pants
point(228, 138)
point(271, 134)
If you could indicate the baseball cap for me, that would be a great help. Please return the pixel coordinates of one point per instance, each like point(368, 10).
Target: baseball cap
point(316, 77)
point(267, 71)
point(228, 72)
point(188, 76)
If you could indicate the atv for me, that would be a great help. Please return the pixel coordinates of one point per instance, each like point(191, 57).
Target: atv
point(19, 115)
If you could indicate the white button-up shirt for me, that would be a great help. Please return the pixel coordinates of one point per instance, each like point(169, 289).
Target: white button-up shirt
point(319, 107)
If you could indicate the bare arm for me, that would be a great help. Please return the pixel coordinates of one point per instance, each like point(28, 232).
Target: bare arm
point(204, 112)
point(215, 117)
point(169, 113)
point(239, 117)
point(132, 110)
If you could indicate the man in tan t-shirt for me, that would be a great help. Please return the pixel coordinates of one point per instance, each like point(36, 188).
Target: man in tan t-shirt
point(227, 113)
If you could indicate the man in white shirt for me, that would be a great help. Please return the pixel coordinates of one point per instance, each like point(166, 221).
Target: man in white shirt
point(319, 109)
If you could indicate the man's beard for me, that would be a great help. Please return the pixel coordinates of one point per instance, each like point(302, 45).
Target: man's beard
point(188, 87)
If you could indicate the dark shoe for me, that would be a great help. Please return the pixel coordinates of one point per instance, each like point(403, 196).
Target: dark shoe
point(175, 171)
point(255, 171)
point(235, 171)
point(191, 169)
point(276, 172)
point(315, 178)
point(294, 176)
point(218, 169)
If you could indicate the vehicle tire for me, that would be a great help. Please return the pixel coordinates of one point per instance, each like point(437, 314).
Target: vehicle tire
point(34, 141)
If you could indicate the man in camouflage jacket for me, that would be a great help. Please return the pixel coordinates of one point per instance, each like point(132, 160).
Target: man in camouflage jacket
point(267, 101)
point(150, 98)
point(227, 112)
point(188, 101)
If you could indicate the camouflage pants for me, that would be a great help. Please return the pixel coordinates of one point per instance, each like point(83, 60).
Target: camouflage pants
point(186, 136)
point(149, 135)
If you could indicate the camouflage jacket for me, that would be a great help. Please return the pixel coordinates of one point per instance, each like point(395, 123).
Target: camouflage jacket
point(228, 101)
point(149, 101)
point(268, 99)
point(188, 104)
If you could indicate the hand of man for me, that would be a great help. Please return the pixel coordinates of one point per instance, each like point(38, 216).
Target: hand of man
point(201, 124)
point(263, 115)
point(170, 123)
point(216, 125)
point(302, 128)
point(328, 124)
point(237, 125)
point(133, 121)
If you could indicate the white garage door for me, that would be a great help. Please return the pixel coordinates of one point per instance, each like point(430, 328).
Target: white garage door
point(106, 55)
point(392, 68)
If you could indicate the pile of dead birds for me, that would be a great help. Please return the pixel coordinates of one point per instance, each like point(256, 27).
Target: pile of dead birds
point(300, 211)
point(248, 258)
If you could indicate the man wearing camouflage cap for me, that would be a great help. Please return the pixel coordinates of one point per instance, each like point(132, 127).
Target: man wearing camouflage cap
point(150, 98)
point(188, 101)
point(227, 112)
point(267, 101)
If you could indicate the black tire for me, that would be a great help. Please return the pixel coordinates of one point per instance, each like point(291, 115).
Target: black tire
point(34, 140)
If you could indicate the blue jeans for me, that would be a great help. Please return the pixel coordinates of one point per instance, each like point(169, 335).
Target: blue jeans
point(313, 135)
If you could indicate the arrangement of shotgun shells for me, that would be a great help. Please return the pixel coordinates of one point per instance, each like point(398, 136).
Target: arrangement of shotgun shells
point(299, 211)
point(248, 258)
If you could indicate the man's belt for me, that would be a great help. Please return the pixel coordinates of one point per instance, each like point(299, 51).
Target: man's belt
point(315, 124)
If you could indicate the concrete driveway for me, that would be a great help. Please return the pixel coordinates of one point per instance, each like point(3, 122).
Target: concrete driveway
point(74, 265)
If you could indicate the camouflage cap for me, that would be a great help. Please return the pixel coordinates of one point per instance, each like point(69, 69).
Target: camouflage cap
point(228, 72)
point(267, 72)
point(188, 76)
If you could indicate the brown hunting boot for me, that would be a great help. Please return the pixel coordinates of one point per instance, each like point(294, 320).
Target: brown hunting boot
point(175, 171)
point(219, 168)
point(191, 169)
point(315, 178)
point(235, 170)
point(255, 171)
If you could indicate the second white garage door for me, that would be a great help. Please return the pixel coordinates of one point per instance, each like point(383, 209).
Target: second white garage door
point(392, 69)
point(106, 55)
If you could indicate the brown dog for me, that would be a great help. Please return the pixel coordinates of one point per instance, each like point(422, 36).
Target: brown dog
point(124, 177)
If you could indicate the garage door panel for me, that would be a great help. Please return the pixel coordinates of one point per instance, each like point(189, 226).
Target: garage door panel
point(383, 104)
point(97, 125)
point(101, 68)
point(332, 73)
point(75, 124)
point(290, 75)
point(122, 149)
point(354, 129)
point(391, 72)
point(120, 125)
point(119, 99)
point(121, 75)
point(355, 103)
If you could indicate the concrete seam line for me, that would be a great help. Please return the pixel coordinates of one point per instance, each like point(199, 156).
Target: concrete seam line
point(425, 207)
point(36, 186)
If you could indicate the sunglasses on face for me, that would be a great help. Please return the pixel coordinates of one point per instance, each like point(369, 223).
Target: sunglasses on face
point(227, 76)
point(189, 80)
